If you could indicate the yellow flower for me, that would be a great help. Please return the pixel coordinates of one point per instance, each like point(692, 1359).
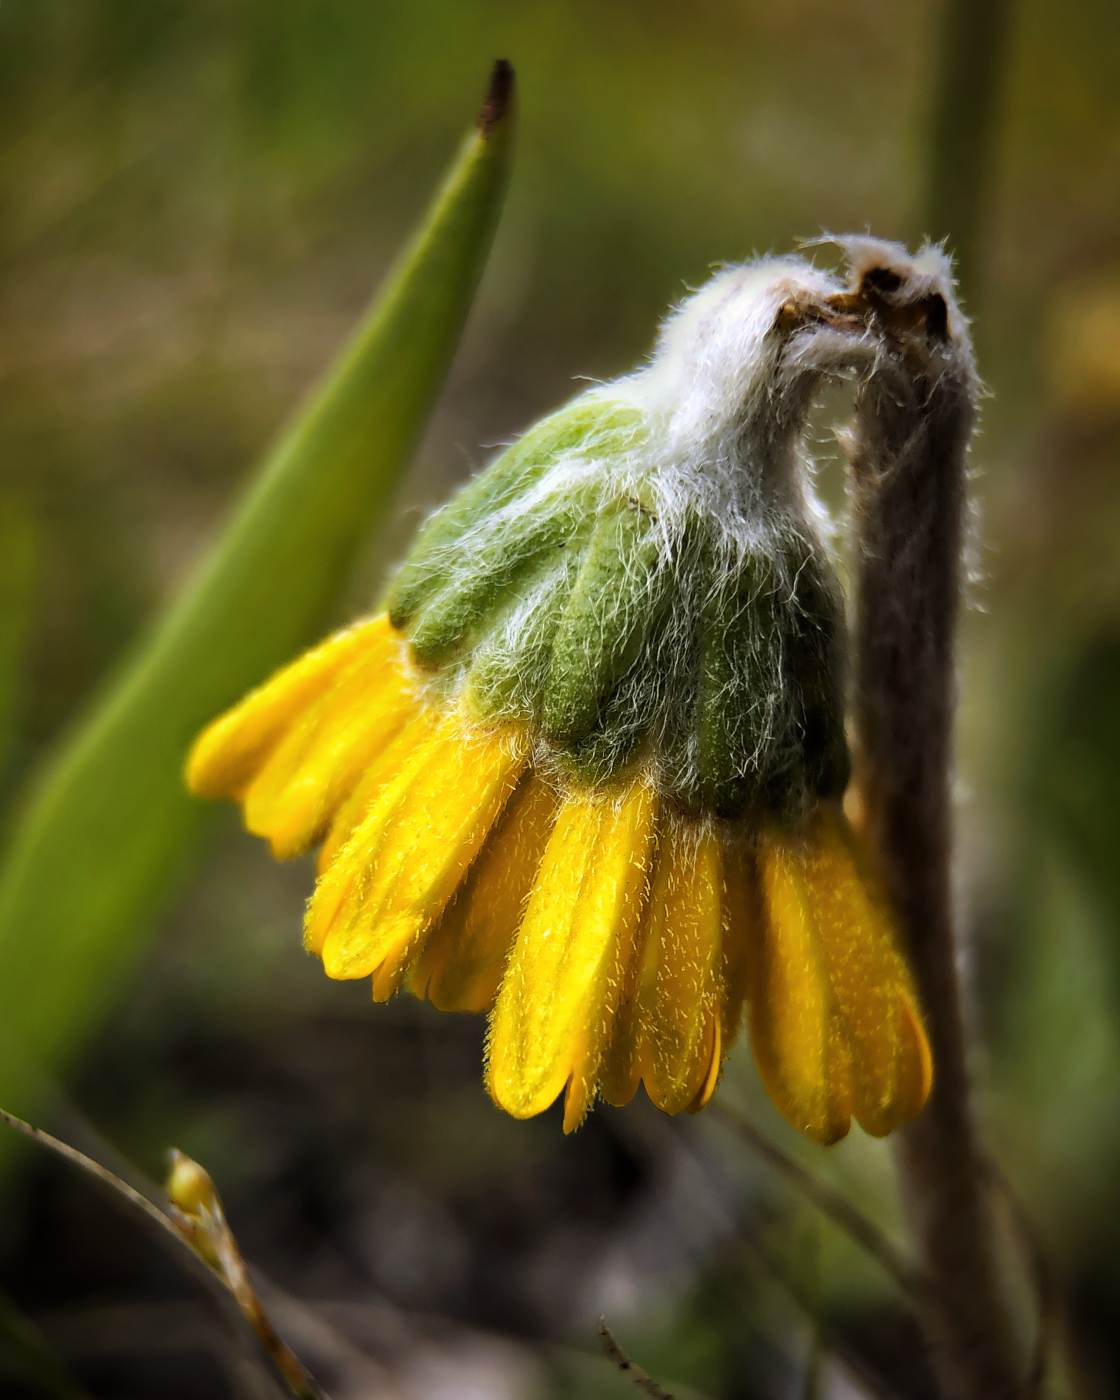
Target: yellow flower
point(615, 938)
point(585, 772)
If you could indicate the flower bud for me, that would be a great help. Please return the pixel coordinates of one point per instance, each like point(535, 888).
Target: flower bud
point(585, 771)
point(641, 579)
point(190, 1186)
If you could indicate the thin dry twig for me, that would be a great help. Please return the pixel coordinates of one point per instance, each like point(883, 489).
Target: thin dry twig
point(216, 1284)
point(860, 1370)
point(656, 1137)
point(831, 1203)
point(1047, 1295)
point(199, 1216)
point(293, 1313)
point(863, 1232)
point(641, 1379)
point(92, 1168)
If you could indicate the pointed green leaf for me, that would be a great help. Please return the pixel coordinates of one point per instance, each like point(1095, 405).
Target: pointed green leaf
point(110, 826)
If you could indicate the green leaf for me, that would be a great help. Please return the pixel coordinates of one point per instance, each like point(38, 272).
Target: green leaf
point(19, 574)
point(110, 828)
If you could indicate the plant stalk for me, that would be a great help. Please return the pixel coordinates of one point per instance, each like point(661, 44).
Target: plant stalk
point(972, 47)
point(913, 423)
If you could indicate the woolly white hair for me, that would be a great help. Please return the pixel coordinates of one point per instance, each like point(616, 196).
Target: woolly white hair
point(578, 582)
point(717, 435)
point(728, 388)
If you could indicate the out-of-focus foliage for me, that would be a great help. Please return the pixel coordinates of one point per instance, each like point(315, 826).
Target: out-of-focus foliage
point(194, 195)
point(111, 808)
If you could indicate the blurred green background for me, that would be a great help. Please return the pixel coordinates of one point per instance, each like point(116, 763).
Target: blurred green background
point(196, 200)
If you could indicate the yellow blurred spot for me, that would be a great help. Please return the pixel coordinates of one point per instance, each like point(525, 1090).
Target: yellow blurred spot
point(1084, 365)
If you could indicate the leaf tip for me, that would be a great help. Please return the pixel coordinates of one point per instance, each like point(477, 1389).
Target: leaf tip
point(499, 96)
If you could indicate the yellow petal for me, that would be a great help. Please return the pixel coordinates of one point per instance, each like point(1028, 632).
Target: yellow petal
point(621, 1072)
point(388, 978)
point(801, 1058)
point(323, 756)
point(717, 1053)
point(228, 753)
point(417, 730)
point(742, 920)
point(347, 876)
point(554, 1013)
point(672, 1033)
point(408, 856)
point(461, 964)
point(874, 998)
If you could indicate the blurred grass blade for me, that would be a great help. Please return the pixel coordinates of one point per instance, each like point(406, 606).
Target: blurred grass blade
point(26, 1359)
point(19, 576)
point(102, 840)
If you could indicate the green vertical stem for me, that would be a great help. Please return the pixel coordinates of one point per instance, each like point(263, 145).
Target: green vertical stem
point(972, 46)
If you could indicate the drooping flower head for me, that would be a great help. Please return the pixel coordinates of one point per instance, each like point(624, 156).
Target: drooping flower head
point(585, 769)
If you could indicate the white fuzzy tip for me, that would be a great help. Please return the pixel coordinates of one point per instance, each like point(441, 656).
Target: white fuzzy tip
point(756, 335)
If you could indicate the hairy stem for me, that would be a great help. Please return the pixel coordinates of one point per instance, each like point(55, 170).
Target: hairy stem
point(908, 453)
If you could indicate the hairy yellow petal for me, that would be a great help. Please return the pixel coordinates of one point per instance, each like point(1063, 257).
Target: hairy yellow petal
point(228, 753)
point(874, 997)
point(321, 759)
point(554, 1013)
point(417, 730)
point(716, 1056)
point(345, 879)
point(742, 919)
point(621, 1072)
point(685, 1005)
point(670, 1037)
point(915, 1082)
point(461, 964)
point(408, 856)
point(389, 977)
point(802, 1059)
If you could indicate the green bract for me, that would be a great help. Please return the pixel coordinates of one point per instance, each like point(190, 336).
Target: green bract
point(609, 584)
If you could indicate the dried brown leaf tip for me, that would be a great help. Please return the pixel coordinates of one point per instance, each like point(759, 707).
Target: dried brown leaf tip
point(907, 298)
point(499, 96)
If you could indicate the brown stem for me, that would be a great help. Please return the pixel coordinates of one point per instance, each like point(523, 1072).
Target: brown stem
point(914, 418)
point(641, 1379)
